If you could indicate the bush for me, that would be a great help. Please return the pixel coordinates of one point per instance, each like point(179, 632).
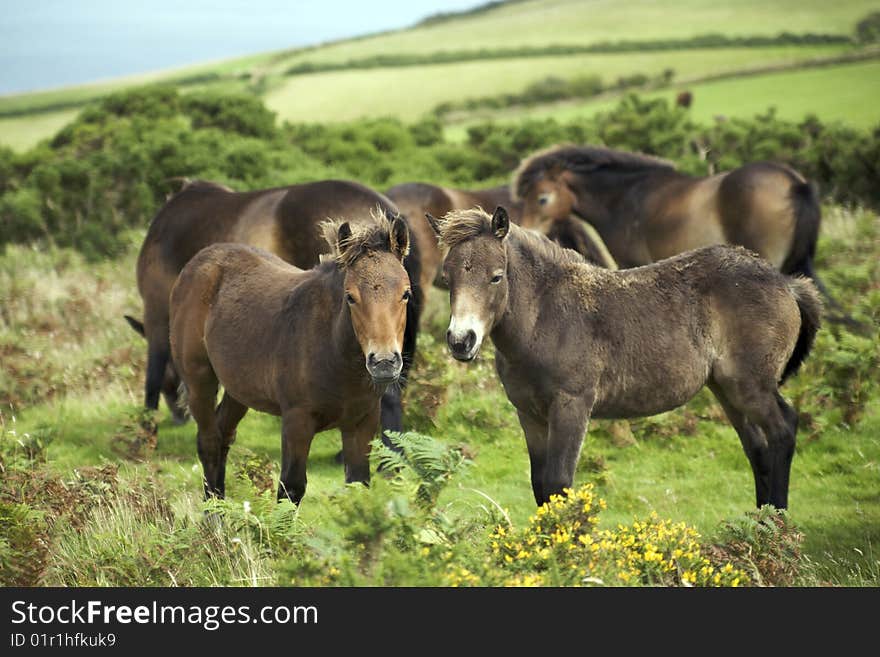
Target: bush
point(868, 29)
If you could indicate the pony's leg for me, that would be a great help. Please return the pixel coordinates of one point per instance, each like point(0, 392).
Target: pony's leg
point(754, 445)
point(568, 417)
point(786, 442)
point(158, 357)
point(356, 449)
point(229, 414)
point(202, 398)
point(297, 431)
point(536, 441)
point(392, 415)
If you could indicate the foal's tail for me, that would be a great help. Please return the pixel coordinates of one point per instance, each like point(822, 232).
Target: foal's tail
point(810, 305)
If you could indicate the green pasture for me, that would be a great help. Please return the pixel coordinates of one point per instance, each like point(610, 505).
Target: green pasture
point(64, 317)
point(545, 22)
point(408, 93)
point(849, 93)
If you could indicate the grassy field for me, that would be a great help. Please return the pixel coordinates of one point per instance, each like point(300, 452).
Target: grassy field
point(543, 22)
point(408, 93)
point(849, 93)
point(73, 374)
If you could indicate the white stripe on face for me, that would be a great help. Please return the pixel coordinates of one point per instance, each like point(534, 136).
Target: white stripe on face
point(462, 322)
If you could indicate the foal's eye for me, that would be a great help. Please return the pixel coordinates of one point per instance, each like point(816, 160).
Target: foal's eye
point(407, 295)
point(349, 298)
point(496, 279)
point(543, 200)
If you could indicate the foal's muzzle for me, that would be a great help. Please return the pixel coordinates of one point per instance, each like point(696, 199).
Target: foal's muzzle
point(384, 367)
point(462, 346)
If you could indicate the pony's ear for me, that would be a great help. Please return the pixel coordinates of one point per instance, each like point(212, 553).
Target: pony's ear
point(433, 222)
point(343, 233)
point(399, 238)
point(500, 223)
point(389, 215)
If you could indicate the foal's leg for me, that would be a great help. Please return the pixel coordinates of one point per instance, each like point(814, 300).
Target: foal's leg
point(568, 424)
point(536, 440)
point(202, 397)
point(297, 431)
point(356, 449)
point(754, 445)
point(229, 414)
point(784, 453)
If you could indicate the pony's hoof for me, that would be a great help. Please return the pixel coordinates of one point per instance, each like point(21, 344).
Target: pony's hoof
point(179, 419)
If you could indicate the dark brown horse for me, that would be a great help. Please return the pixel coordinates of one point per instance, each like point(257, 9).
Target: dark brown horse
point(645, 210)
point(415, 200)
point(293, 343)
point(575, 341)
point(284, 221)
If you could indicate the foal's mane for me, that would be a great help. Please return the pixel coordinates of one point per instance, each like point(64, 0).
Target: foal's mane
point(461, 225)
point(578, 159)
point(373, 235)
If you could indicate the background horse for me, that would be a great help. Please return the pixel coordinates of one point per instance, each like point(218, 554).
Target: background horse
point(415, 200)
point(293, 343)
point(575, 341)
point(645, 210)
point(284, 221)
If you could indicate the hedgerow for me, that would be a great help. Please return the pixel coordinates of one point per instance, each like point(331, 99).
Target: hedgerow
point(111, 168)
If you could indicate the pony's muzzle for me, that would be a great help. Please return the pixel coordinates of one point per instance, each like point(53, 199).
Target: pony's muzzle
point(384, 367)
point(463, 345)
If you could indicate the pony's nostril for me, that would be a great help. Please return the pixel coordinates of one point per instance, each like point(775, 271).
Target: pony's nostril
point(371, 359)
point(396, 357)
point(470, 340)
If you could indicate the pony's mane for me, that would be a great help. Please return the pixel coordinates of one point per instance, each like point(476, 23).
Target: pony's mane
point(202, 184)
point(373, 234)
point(578, 159)
point(461, 225)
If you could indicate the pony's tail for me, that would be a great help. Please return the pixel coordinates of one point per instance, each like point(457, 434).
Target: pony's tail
point(136, 324)
point(413, 266)
point(808, 217)
point(799, 262)
point(810, 306)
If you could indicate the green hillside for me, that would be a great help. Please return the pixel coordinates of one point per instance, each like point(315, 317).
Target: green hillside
point(389, 88)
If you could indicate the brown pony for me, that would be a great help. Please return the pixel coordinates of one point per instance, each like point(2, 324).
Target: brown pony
point(574, 341)
point(293, 343)
point(284, 221)
point(415, 200)
point(645, 210)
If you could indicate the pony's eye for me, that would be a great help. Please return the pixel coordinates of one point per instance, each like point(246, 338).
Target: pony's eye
point(543, 200)
point(349, 298)
point(407, 295)
point(496, 279)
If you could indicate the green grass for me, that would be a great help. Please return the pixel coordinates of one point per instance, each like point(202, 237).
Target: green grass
point(544, 22)
point(408, 93)
point(686, 465)
point(849, 93)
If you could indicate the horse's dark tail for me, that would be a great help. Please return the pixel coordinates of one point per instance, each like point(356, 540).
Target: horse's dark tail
point(413, 265)
point(136, 324)
point(810, 305)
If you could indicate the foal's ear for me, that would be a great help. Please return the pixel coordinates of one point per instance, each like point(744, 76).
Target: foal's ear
point(433, 222)
point(389, 215)
point(399, 238)
point(342, 234)
point(500, 223)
